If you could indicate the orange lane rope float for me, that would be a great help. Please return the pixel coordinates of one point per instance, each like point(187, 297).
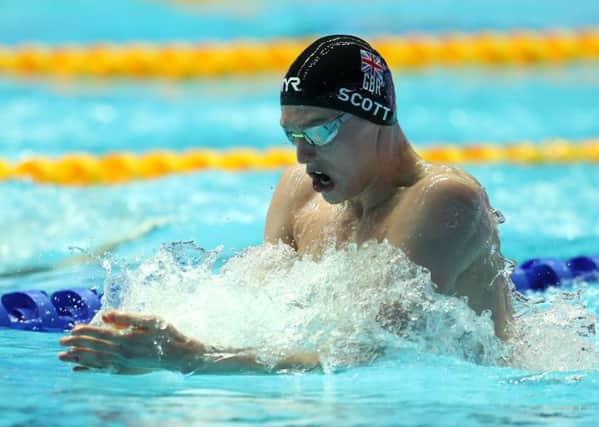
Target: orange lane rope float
point(186, 60)
point(120, 167)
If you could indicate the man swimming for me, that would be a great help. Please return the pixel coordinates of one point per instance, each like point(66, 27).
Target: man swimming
point(358, 179)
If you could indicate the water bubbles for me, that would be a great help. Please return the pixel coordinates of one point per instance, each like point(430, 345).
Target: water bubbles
point(555, 332)
point(162, 324)
point(349, 306)
point(188, 255)
point(498, 216)
point(159, 350)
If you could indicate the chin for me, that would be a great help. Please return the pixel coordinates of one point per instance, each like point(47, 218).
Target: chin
point(333, 198)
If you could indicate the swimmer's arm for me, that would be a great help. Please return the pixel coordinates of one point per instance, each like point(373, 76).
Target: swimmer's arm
point(236, 361)
point(137, 343)
point(448, 231)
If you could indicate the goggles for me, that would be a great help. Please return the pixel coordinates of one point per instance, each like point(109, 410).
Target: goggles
point(319, 135)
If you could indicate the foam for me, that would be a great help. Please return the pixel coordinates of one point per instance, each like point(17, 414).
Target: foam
point(350, 306)
point(555, 332)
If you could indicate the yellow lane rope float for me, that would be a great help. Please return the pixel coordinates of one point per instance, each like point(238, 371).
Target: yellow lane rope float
point(247, 57)
point(113, 168)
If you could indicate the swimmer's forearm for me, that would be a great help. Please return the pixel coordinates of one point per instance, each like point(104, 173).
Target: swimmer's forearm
point(136, 343)
point(206, 360)
point(226, 362)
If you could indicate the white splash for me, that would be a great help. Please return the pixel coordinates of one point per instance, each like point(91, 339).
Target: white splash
point(555, 333)
point(350, 306)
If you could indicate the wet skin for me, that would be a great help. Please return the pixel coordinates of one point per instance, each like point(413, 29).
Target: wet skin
point(379, 190)
point(438, 215)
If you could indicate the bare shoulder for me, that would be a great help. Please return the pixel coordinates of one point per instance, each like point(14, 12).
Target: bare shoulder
point(440, 224)
point(293, 192)
point(448, 188)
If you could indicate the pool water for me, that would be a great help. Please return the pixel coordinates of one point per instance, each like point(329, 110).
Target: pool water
point(163, 20)
point(550, 210)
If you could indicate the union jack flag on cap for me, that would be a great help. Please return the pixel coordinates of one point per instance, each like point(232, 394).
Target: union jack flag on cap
point(372, 64)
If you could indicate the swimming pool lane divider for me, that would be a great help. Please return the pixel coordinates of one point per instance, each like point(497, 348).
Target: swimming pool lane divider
point(187, 60)
point(34, 310)
point(120, 167)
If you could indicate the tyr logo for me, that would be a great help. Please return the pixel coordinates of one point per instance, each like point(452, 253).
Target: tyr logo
point(294, 82)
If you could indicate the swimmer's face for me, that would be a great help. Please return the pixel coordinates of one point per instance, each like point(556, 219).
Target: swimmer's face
point(341, 169)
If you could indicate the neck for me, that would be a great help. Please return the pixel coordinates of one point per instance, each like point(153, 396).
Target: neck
point(397, 167)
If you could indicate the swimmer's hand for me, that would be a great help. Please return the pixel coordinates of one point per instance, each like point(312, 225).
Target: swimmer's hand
point(131, 344)
point(137, 344)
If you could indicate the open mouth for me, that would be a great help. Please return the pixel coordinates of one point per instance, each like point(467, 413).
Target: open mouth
point(321, 181)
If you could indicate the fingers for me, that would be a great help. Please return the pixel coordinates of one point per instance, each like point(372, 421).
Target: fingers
point(136, 320)
point(89, 358)
point(129, 343)
point(126, 371)
point(91, 343)
point(97, 332)
point(134, 350)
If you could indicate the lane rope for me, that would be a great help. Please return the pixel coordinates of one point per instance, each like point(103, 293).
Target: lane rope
point(120, 167)
point(35, 310)
point(187, 60)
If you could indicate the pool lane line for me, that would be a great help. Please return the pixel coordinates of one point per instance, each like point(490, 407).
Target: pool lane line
point(239, 57)
point(89, 255)
point(121, 167)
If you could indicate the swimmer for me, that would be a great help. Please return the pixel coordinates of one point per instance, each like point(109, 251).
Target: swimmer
point(358, 179)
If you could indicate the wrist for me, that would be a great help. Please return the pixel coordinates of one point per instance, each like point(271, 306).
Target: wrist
point(194, 356)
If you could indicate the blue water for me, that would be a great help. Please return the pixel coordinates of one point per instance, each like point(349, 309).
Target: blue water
point(411, 390)
point(457, 106)
point(64, 21)
point(549, 210)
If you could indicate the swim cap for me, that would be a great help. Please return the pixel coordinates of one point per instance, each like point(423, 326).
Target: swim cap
point(344, 73)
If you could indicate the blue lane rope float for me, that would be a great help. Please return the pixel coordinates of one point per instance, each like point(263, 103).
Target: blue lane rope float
point(34, 310)
point(4, 319)
point(540, 273)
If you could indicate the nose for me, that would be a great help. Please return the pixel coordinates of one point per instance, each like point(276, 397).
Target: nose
point(304, 151)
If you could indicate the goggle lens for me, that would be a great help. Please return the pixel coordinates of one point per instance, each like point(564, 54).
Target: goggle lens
point(319, 135)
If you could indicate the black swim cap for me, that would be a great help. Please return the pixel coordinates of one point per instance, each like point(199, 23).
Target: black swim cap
point(344, 73)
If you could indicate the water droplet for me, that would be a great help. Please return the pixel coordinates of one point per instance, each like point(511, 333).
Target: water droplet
point(498, 216)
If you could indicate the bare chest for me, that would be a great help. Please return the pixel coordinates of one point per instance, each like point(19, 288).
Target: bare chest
point(319, 226)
